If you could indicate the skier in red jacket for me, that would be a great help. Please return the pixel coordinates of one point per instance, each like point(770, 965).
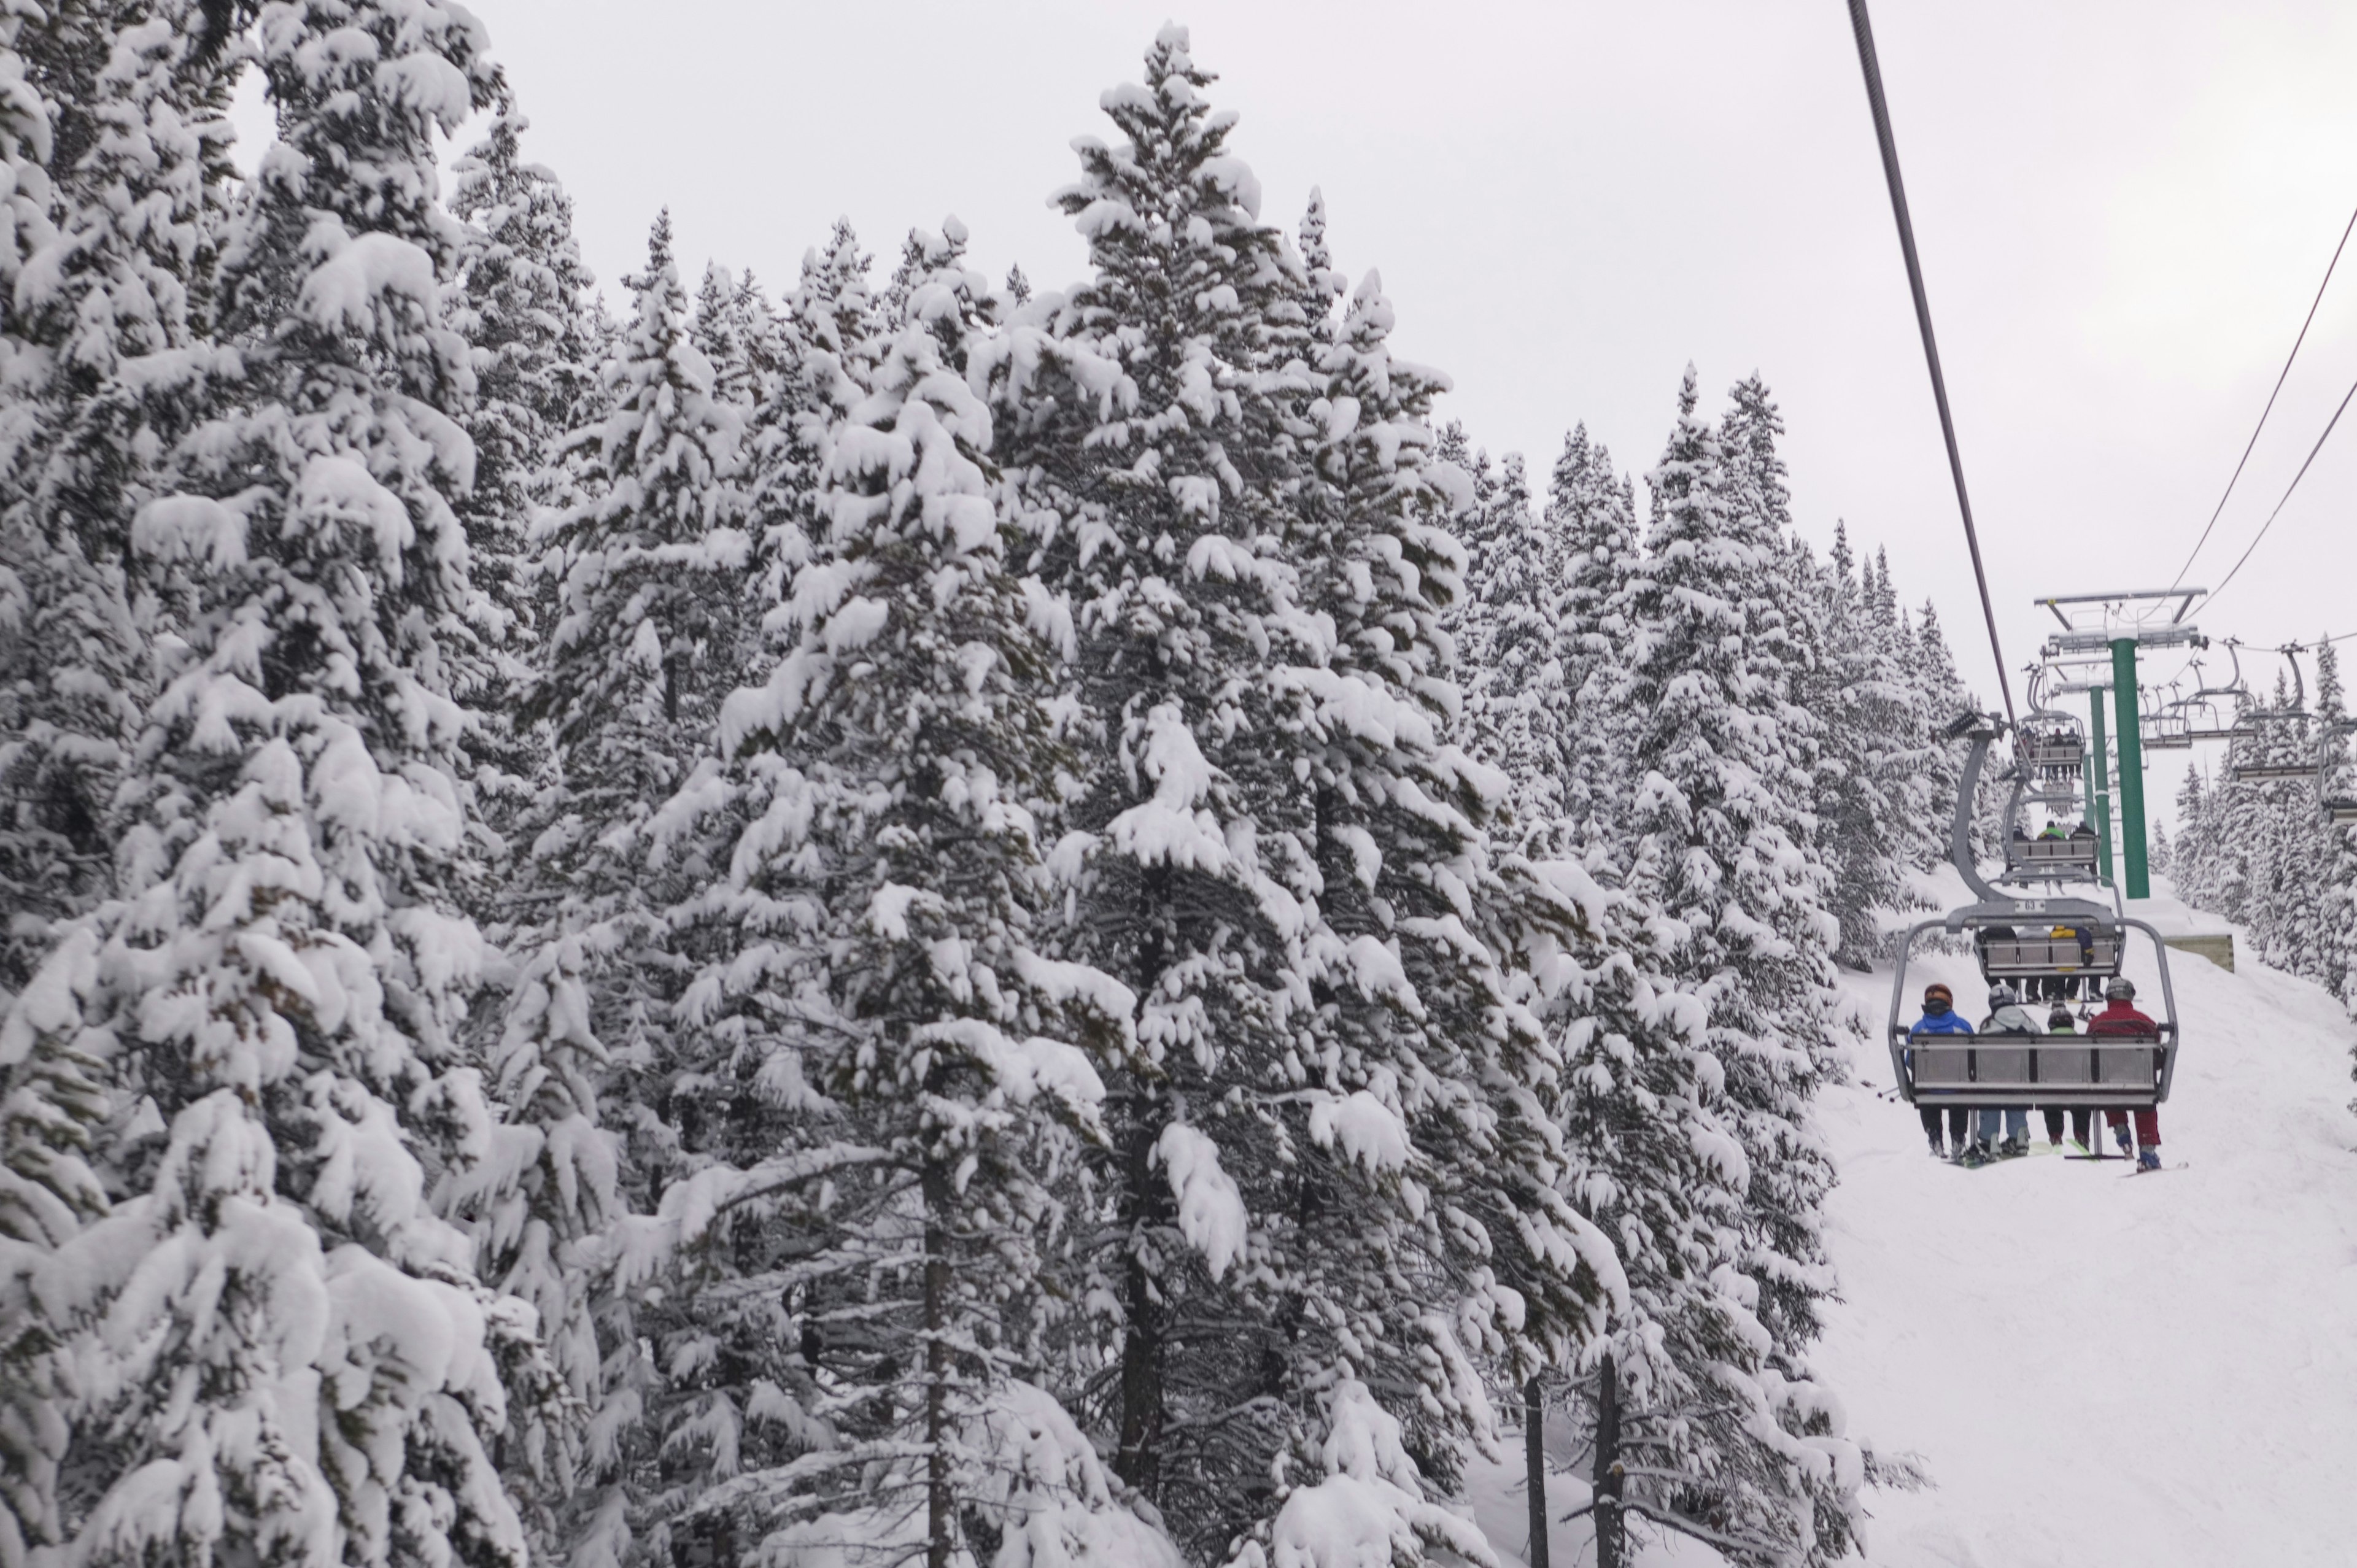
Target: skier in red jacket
point(2119, 1017)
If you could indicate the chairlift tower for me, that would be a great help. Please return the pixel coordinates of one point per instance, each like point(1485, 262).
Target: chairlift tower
point(2123, 622)
point(2098, 777)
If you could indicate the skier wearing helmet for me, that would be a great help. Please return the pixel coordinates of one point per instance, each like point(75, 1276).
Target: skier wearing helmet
point(2007, 1017)
point(2082, 1117)
point(1940, 1017)
point(2119, 1017)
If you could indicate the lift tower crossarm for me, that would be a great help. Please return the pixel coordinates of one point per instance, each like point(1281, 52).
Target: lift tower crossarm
point(2185, 597)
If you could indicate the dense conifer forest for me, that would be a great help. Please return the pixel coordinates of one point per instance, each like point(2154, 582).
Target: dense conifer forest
point(879, 916)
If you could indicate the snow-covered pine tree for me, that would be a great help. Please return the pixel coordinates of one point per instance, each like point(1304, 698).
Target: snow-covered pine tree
point(117, 171)
point(809, 358)
point(1435, 1088)
point(2278, 819)
point(121, 173)
point(1157, 420)
point(1472, 516)
point(1939, 696)
point(649, 618)
point(1714, 783)
point(1870, 804)
point(1156, 462)
point(1591, 517)
point(522, 299)
point(735, 327)
point(289, 1355)
point(2229, 821)
point(908, 1048)
point(1777, 617)
point(1712, 1442)
point(1516, 701)
point(2336, 870)
point(2193, 865)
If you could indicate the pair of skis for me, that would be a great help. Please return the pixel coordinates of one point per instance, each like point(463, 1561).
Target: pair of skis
point(2137, 1170)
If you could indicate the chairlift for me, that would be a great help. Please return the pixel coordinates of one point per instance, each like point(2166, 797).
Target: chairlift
point(2051, 1070)
point(2268, 772)
point(2338, 810)
point(2061, 756)
point(2051, 745)
point(2270, 713)
point(2070, 859)
point(2235, 688)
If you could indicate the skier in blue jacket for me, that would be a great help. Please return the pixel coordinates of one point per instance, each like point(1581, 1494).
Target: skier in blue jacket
point(1940, 1017)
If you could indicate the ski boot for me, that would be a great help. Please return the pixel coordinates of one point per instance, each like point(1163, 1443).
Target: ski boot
point(2148, 1160)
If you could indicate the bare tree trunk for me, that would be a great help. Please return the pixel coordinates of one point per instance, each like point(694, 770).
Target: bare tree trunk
point(1611, 1542)
point(1139, 1459)
point(1534, 1459)
point(1145, 1206)
point(940, 1507)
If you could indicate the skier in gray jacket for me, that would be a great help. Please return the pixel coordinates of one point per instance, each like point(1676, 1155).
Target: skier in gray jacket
point(2007, 1017)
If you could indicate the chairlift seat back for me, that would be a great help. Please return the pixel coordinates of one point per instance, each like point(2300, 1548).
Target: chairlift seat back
point(2024, 958)
point(2061, 1070)
point(2054, 852)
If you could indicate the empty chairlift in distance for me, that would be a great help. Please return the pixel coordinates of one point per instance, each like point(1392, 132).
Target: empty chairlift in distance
point(2207, 712)
point(2261, 721)
point(2337, 808)
point(2167, 731)
point(2021, 941)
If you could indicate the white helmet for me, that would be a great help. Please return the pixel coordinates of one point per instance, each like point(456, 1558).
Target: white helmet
point(2119, 988)
point(2001, 995)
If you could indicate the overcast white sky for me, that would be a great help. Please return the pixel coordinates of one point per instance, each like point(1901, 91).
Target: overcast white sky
point(2124, 208)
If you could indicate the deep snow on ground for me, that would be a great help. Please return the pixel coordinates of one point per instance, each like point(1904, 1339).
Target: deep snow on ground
point(2158, 1370)
point(2095, 1369)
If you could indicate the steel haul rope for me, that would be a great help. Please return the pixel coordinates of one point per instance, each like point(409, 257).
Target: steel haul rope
point(2280, 376)
point(1864, 30)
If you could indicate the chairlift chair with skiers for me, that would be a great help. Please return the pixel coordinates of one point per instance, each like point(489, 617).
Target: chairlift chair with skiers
point(2019, 941)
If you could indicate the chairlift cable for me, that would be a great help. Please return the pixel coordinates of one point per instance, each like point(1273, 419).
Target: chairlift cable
point(2280, 377)
point(1864, 31)
point(2295, 478)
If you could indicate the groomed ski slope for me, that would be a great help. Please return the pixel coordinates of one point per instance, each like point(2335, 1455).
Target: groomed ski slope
point(2158, 1370)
